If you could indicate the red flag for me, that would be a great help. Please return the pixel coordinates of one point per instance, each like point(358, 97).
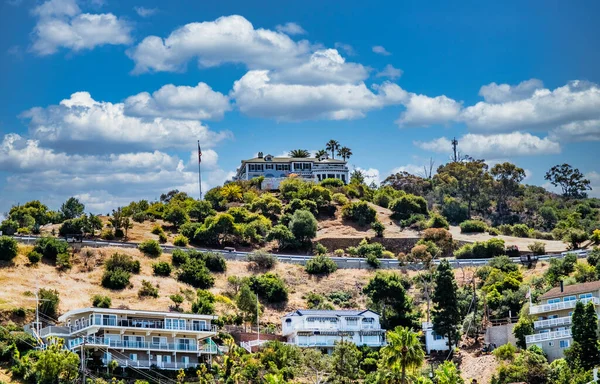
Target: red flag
point(199, 153)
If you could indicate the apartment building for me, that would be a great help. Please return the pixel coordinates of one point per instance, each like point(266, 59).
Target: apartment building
point(322, 328)
point(276, 169)
point(553, 324)
point(137, 338)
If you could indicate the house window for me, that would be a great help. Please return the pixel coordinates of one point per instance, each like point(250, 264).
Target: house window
point(585, 295)
point(199, 325)
point(184, 345)
point(352, 321)
point(175, 324)
point(570, 298)
point(551, 343)
point(156, 340)
point(436, 336)
point(553, 301)
point(269, 166)
point(564, 344)
point(185, 360)
point(133, 356)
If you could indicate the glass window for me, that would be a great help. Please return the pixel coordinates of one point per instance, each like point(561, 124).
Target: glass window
point(133, 356)
point(175, 324)
point(564, 344)
point(552, 301)
point(551, 343)
point(570, 298)
point(585, 295)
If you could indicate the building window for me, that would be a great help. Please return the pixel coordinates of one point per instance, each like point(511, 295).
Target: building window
point(564, 344)
point(551, 343)
point(133, 356)
point(269, 166)
point(585, 295)
point(175, 324)
point(570, 298)
point(436, 336)
point(553, 301)
point(352, 321)
point(185, 360)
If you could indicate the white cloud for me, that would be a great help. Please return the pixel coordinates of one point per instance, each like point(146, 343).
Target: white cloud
point(81, 119)
point(410, 168)
point(495, 146)
point(594, 178)
point(256, 95)
point(179, 102)
point(378, 49)
point(229, 39)
point(145, 12)
point(501, 93)
point(347, 48)
point(371, 175)
point(423, 110)
point(545, 109)
point(390, 72)
point(62, 25)
point(588, 130)
point(291, 29)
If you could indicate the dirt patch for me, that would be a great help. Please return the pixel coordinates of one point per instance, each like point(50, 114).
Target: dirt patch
point(480, 368)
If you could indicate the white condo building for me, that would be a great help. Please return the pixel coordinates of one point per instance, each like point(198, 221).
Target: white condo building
point(276, 169)
point(137, 338)
point(322, 329)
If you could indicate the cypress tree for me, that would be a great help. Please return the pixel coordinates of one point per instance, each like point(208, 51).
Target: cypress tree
point(584, 351)
point(446, 314)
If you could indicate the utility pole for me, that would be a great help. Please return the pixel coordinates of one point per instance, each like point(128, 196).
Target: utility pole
point(83, 361)
point(257, 319)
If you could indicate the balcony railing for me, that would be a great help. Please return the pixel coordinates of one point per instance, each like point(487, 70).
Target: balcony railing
point(140, 323)
point(333, 328)
point(557, 322)
point(54, 330)
point(145, 364)
point(547, 336)
point(209, 347)
point(534, 309)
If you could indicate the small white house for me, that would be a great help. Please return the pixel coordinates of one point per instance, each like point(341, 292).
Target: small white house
point(433, 341)
point(322, 329)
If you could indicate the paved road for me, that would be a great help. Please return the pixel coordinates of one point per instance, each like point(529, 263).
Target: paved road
point(342, 262)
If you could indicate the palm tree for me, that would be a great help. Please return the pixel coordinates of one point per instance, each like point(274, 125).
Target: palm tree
point(299, 153)
point(320, 152)
point(345, 153)
point(332, 145)
point(403, 351)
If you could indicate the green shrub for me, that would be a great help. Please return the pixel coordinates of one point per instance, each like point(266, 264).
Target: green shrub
point(542, 235)
point(179, 257)
point(505, 352)
point(215, 262)
point(121, 261)
point(205, 303)
point(303, 225)
point(100, 301)
point(115, 279)
point(537, 247)
point(473, 226)
point(416, 221)
point(50, 247)
point(512, 251)
point(107, 234)
point(162, 238)
point(574, 237)
point(262, 259)
point(594, 256)
point(595, 237)
point(177, 299)
point(148, 290)
point(150, 248)
point(454, 211)
point(8, 248)
point(24, 231)
point(139, 217)
point(49, 301)
point(63, 261)
point(481, 250)
point(332, 182)
point(34, 257)
point(9, 227)
point(162, 268)
point(360, 212)
point(195, 273)
point(493, 231)
point(119, 233)
point(339, 252)
point(270, 287)
point(438, 221)
point(506, 229)
point(520, 230)
point(378, 227)
point(407, 205)
point(320, 249)
point(373, 261)
point(320, 265)
point(156, 229)
point(180, 241)
point(340, 198)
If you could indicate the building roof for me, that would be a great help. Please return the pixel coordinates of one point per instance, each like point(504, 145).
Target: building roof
point(291, 159)
point(571, 290)
point(320, 312)
point(137, 312)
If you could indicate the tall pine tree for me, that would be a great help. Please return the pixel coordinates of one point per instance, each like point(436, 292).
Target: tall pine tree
point(446, 314)
point(584, 351)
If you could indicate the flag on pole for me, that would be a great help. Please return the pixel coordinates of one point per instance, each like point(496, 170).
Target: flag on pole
point(199, 153)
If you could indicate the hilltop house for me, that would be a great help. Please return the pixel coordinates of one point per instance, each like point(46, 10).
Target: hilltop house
point(137, 338)
point(276, 169)
point(322, 328)
point(433, 341)
point(553, 327)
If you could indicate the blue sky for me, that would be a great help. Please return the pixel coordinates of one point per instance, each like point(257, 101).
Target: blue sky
point(105, 100)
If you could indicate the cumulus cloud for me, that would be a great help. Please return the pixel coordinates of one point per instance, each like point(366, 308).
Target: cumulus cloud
point(371, 175)
point(594, 178)
point(81, 119)
point(346, 48)
point(229, 39)
point(145, 12)
point(501, 93)
point(62, 25)
point(588, 130)
point(179, 102)
point(291, 29)
point(390, 72)
point(410, 168)
point(378, 49)
point(423, 110)
point(256, 95)
point(495, 146)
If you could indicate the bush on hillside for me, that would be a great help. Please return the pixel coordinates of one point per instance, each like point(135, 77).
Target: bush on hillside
point(493, 231)
point(262, 260)
point(156, 229)
point(162, 238)
point(115, 279)
point(320, 265)
point(179, 257)
point(454, 211)
point(441, 237)
point(537, 247)
point(195, 273)
point(189, 229)
point(205, 303)
point(63, 261)
point(520, 230)
point(8, 248)
point(481, 250)
point(378, 227)
point(595, 237)
point(50, 248)
point(574, 237)
point(506, 229)
point(320, 249)
point(148, 290)
point(373, 261)
point(49, 300)
point(340, 198)
point(416, 221)
point(150, 248)
point(407, 205)
point(282, 234)
point(124, 262)
point(360, 212)
point(162, 268)
point(107, 234)
point(512, 251)
point(437, 221)
point(303, 225)
point(215, 262)
point(9, 227)
point(180, 241)
point(270, 287)
point(100, 301)
point(339, 252)
point(34, 257)
point(473, 226)
point(332, 183)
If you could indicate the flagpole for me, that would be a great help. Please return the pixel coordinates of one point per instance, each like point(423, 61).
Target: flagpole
point(199, 169)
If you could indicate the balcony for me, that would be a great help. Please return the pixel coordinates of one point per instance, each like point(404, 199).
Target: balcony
point(208, 347)
point(530, 339)
point(145, 364)
point(535, 309)
point(54, 331)
point(557, 322)
point(141, 323)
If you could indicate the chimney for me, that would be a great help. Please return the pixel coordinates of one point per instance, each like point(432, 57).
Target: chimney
point(260, 155)
point(562, 286)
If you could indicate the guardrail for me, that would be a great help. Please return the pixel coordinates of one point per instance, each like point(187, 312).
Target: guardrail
point(342, 262)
